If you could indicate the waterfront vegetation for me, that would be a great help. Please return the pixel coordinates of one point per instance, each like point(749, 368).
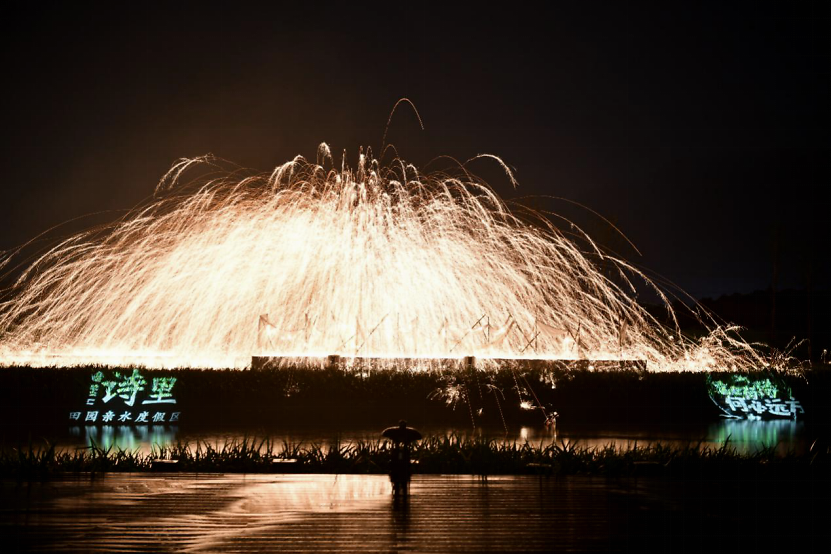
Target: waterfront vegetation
point(458, 399)
point(453, 454)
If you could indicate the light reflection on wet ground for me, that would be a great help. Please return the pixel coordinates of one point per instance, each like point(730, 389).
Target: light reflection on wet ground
point(745, 436)
point(328, 513)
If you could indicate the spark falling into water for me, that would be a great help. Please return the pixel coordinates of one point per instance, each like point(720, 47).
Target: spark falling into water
point(312, 260)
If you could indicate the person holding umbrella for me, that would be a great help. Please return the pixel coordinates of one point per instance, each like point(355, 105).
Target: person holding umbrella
point(400, 466)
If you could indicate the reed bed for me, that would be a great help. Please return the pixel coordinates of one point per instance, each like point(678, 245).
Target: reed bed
point(453, 454)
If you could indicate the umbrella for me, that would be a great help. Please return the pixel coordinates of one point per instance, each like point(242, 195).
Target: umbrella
point(401, 434)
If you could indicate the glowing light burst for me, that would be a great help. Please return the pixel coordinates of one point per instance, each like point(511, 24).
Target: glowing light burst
point(379, 261)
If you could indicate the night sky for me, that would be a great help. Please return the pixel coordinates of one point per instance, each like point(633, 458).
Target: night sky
point(702, 132)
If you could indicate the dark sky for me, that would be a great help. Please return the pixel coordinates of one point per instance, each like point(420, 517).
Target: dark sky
point(701, 131)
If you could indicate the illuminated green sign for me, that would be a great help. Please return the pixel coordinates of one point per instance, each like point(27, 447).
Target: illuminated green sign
point(126, 398)
point(760, 396)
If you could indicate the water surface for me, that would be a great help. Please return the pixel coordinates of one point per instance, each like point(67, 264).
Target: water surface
point(330, 513)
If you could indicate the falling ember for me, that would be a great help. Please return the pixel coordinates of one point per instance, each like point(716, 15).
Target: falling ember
point(381, 261)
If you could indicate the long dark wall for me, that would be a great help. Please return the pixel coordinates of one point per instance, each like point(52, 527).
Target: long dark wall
point(217, 398)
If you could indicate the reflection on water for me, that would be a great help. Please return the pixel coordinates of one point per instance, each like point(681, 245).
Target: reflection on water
point(258, 505)
point(743, 435)
point(314, 494)
point(327, 513)
point(126, 437)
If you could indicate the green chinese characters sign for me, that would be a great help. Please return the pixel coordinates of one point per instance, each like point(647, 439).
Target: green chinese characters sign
point(127, 398)
point(762, 396)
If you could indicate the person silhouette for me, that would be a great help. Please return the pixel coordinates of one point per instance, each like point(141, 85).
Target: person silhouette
point(400, 459)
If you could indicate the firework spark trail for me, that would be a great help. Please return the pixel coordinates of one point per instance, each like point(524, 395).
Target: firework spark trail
point(378, 261)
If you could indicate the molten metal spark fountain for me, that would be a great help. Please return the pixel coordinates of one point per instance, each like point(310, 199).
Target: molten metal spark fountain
point(382, 261)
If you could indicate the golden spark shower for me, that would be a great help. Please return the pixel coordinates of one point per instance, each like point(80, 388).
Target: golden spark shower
point(379, 261)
